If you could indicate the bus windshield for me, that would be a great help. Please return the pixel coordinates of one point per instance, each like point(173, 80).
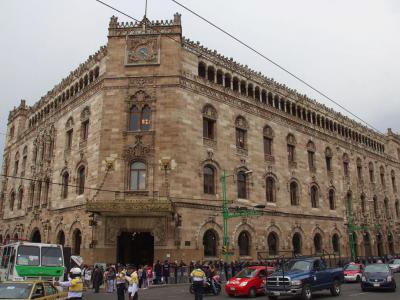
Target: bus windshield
point(28, 256)
point(52, 257)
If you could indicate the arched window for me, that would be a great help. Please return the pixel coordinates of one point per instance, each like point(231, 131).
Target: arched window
point(386, 203)
point(317, 243)
point(296, 243)
point(241, 132)
point(335, 243)
point(65, 183)
point(363, 205)
point(393, 177)
point(145, 123)
point(243, 89)
point(61, 238)
point(209, 120)
point(397, 208)
point(242, 185)
point(382, 175)
point(268, 135)
point(209, 180)
point(273, 243)
point(331, 197)
point(311, 155)
point(138, 176)
point(76, 242)
point(12, 200)
point(202, 70)
point(359, 169)
point(16, 164)
point(235, 84)
point(244, 243)
point(20, 198)
point(346, 165)
point(134, 119)
point(31, 194)
point(211, 73)
point(390, 244)
point(376, 208)
point(81, 180)
point(291, 147)
point(294, 193)
point(210, 243)
point(220, 77)
point(36, 237)
point(314, 196)
point(270, 189)
point(228, 80)
point(371, 172)
point(367, 244)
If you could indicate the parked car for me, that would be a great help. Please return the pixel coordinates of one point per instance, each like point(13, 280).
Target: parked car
point(27, 290)
point(353, 272)
point(248, 282)
point(302, 276)
point(394, 264)
point(378, 276)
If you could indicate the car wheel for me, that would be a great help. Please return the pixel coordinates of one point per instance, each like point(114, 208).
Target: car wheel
point(363, 289)
point(252, 292)
point(335, 289)
point(358, 278)
point(306, 293)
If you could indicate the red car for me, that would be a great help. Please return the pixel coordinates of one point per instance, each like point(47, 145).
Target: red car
point(353, 272)
point(248, 282)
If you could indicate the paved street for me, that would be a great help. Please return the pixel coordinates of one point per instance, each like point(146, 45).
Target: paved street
point(349, 291)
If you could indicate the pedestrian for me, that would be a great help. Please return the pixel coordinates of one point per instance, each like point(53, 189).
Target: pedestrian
point(74, 284)
point(149, 275)
point(110, 279)
point(158, 272)
point(198, 277)
point(87, 276)
point(97, 278)
point(144, 278)
point(133, 284)
point(140, 272)
point(165, 271)
point(120, 282)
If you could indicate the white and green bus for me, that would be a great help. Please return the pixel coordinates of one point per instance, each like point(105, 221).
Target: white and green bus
point(31, 261)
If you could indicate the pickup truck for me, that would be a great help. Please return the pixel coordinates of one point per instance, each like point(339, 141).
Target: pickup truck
point(301, 277)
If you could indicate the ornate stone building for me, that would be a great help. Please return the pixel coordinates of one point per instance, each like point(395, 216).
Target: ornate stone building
point(125, 156)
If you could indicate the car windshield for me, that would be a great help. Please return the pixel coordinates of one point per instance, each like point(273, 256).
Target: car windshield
point(378, 268)
point(352, 268)
point(297, 265)
point(15, 290)
point(52, 256)
point(395, 262)
point(28, 256)
point(246, 273)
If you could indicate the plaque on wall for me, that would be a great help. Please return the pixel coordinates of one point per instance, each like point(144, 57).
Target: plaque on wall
point(142, 51)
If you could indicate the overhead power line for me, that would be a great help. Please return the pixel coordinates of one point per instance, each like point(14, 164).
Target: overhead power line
point(274, 63)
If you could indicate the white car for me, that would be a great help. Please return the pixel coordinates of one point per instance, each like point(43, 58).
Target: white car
point(394, 264)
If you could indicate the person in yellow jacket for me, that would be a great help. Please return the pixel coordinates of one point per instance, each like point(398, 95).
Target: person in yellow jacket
point(133, 281)
point(198, 278)
point(121, 281)
point(74, 284)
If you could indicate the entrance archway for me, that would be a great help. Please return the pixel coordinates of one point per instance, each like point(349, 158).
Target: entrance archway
point(367, 244)
point(210, 240)
point(36, 236)
point(390, 244)
point(317, 243)
point(76, 242)
point(296, 243)
point(273, 242)
point(135, 248)
point(379, 245)
point(61, 238)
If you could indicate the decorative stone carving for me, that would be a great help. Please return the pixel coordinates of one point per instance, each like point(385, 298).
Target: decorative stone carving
point(137, 150)
point(142, 51)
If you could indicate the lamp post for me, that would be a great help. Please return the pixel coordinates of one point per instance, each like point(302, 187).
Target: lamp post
point(226, 215)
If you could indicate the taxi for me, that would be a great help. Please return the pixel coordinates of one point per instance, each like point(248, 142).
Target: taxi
point(353, 272)
point(42, 290)
point(248, 282)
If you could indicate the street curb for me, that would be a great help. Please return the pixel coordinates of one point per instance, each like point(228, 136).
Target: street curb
point(158, 286)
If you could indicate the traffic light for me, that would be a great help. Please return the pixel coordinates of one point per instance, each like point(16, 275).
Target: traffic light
point(224, 249)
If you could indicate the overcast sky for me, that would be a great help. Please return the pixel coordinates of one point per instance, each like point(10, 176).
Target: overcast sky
point(348, 49)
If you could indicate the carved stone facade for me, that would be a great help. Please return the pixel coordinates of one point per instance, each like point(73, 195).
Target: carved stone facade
point(137, 138)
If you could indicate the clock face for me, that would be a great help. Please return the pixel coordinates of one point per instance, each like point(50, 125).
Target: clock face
point(143, 52)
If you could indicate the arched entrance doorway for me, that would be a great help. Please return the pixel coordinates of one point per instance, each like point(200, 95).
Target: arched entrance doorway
point(335, 243)
point(296, 243)
point(355, 241)
point(367, 244)
point(76, 242)
point(379, 244)
point(36, 236)
point(210, 243)
point(244, 243)
point(135, 248)
point(61, 238)
point(390, 244)
point(16, 236)
point(317, 243)
point(273, 243)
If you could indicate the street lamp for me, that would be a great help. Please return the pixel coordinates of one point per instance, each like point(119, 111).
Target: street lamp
point(239, 212)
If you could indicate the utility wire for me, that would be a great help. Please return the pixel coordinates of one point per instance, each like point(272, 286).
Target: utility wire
point(203, 54)
point(274, 63)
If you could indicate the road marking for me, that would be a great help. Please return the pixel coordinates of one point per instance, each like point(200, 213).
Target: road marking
point(355, 295)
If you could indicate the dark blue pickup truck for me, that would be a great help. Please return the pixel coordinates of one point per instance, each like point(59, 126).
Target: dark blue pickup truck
point(301, 277)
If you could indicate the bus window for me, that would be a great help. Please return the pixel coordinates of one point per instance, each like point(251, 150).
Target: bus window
point(28, 255)
point(52, 257)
